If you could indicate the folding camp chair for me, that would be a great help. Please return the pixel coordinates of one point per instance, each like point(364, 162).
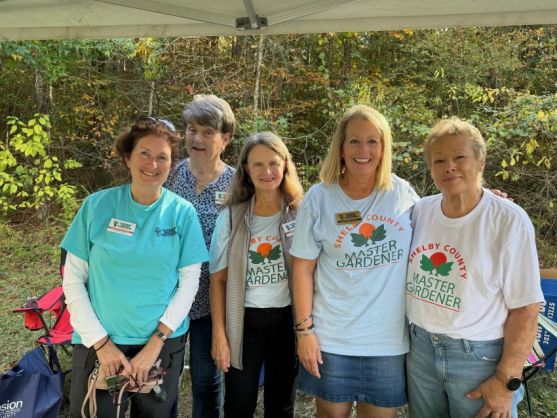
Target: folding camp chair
point(537, 359)
point(39, 313)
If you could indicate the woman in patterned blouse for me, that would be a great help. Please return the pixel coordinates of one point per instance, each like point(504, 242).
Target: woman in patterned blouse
point(203, 179)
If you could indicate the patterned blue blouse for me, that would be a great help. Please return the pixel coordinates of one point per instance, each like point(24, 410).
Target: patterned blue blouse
point(182, 182)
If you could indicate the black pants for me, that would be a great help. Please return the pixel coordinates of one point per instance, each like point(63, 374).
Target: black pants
point(269, 339)
point(143, 405)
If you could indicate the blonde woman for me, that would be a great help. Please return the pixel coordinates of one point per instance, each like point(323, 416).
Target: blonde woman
point(351, 247)
point(250, 280)
point(473, 287)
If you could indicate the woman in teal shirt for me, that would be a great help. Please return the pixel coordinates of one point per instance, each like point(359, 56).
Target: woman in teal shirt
point(134, 256)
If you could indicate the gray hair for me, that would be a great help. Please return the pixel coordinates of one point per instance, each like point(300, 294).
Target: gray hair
point(210, 110)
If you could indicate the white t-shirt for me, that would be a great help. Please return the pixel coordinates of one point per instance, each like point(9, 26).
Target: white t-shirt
point(464, 274)
point(358, 304)
point(266, 276)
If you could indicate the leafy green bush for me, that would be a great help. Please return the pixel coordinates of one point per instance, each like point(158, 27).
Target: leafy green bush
point(30, 177)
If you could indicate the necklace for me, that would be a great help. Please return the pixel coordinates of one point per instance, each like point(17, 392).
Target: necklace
point(201, 185)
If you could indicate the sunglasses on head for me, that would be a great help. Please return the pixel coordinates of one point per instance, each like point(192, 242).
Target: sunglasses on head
point(150, 119)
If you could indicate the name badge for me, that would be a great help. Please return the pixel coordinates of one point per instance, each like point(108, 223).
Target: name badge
point(289, 228)
point(220, 197)
point(121, 227)
point(348, 217)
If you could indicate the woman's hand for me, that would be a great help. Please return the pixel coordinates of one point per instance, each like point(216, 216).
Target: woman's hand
point(111, 359)
point(143, 361)
point(309, 354)
point(220, 351)
point(497, 399)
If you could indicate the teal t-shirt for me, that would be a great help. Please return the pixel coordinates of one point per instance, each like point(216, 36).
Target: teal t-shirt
point(134, 252)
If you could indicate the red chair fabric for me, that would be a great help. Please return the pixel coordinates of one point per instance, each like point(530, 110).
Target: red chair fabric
point(52, 303)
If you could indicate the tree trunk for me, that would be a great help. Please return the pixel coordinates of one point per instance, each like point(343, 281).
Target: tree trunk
point(40, 92)
point(236, 47)
point(258, 75)
point(347, 52)
point(330, 56)
point(151, 97)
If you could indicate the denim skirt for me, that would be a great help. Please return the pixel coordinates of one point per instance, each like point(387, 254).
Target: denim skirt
point(380, 381)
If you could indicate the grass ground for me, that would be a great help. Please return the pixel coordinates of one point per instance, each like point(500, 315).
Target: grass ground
point(29, 267)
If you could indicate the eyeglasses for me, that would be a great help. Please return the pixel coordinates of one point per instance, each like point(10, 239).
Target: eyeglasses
point(150, 119)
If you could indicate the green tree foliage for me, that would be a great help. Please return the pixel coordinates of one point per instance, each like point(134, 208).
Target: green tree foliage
point(30, 177)
point(501, 79)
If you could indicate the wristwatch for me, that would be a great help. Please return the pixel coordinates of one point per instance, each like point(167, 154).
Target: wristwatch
point(512, 383)
point(160, 334)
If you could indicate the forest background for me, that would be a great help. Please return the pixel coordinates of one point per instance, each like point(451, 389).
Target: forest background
point(504, 80)
point(63, 102)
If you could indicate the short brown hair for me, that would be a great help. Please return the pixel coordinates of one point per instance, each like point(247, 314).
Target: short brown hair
point(145, 126)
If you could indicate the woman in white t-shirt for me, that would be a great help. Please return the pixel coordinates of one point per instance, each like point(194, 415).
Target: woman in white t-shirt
point(250, 280)
point(473, 287)
point(351, 246)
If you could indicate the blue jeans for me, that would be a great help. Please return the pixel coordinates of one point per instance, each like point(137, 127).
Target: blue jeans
point(442, 370)
point(206, 379)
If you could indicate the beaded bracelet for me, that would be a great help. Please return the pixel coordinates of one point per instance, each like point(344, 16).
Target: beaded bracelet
point(305, 331)
point(303, 321)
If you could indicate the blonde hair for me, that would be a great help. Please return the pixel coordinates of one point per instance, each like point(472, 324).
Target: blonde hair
point(333, 165)
point(242, 187)
point(454, 126)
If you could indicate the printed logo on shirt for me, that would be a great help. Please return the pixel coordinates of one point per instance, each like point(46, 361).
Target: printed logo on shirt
point(266, 262)
point(369, 244)
point(121, 227)
point(168, 232)
point(265, 251)
point(368, 232)
point(436, 279)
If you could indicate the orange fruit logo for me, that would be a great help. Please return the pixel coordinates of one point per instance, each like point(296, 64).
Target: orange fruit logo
point(367, 233)
point(366, 230)
point(264, 249)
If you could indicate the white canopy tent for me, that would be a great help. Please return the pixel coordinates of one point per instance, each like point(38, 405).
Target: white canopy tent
point(77, 19)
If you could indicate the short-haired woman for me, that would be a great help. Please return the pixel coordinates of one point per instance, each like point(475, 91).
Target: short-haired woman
point(250, 280)
point(131, 275)
point(203, 179)
point(473, 287)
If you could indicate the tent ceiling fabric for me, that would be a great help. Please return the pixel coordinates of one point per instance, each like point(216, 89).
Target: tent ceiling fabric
point(59, 19)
